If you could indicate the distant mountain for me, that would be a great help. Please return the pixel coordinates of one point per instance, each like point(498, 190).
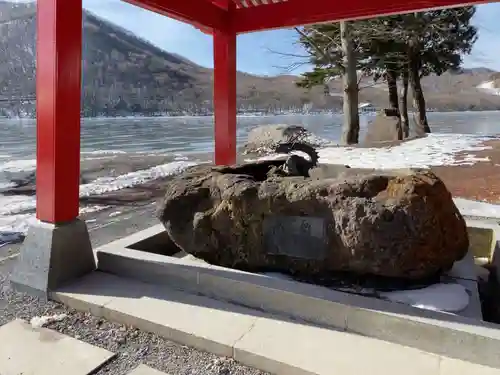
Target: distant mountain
point(124, 75)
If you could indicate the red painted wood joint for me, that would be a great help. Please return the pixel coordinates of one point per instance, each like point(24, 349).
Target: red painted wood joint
point(58, 85)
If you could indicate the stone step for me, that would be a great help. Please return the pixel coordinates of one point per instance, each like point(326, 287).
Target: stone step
point(41, 351)
point(268, 342)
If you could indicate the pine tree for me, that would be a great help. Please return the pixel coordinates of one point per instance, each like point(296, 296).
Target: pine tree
point(405, 47)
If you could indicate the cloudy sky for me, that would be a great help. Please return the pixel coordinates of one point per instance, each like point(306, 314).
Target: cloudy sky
point(257, 52)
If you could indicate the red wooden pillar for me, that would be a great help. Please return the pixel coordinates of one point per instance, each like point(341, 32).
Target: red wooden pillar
point(225, 95)
point(58, 77)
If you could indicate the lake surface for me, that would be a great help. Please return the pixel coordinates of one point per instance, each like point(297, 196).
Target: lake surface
point(187, 135)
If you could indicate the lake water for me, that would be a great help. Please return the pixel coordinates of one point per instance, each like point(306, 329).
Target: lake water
point(195, 134)
point(181, 137)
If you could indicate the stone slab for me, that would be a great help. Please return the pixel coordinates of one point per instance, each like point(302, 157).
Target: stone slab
point(51, 255)
point(450, 366)
point(145, 370)
point(197, 321)
point(40, 351)
point(268, 342)
point(287, 347)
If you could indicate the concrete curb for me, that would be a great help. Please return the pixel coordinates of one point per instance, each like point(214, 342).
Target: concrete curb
point(268, 342)
point(440, 333)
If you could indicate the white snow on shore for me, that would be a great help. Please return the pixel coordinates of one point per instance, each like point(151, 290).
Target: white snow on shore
point(489, 87)
point(13, 218)
point(434, 150)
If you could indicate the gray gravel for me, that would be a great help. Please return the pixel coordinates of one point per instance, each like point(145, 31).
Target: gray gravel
point(132, 346)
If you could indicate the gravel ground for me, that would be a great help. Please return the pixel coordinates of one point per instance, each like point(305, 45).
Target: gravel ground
point(132, 346)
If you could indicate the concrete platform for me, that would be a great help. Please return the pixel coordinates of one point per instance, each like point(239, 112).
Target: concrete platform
point(41, 351)
point(462, 336)
point(271, 342)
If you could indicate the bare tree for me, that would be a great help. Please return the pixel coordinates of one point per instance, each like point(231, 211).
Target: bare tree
point(350, 128)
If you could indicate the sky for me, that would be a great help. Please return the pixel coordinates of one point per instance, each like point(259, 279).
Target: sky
point(262, 53)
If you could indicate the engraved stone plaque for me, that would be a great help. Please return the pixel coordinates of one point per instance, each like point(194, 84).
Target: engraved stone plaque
point(295, 236)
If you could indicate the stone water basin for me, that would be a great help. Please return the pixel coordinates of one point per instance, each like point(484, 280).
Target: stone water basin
point(421, 215)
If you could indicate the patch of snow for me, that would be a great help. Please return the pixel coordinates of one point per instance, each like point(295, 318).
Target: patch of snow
point(13, 216)
point(92, 209)
point(104, 152)
point(437, 297)
point(180, 157)
point(42, 321)
point(482, 273)
point(433, 150)
point(18, 166)
point(109, 184)
point(278, 275)
point(116, 213)
point(6, 185)
point(489, 87)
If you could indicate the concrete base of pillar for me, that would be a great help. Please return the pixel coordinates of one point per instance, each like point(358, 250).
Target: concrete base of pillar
point(53, 254)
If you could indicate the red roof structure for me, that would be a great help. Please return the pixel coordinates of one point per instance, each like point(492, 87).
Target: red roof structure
point(58, 85)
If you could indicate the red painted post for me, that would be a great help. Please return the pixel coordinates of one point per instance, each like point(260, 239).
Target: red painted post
point(225, 96)
point(58, 76)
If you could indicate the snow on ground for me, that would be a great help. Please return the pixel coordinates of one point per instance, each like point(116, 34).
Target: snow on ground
point(433, 150)
point(437, 297)
point(15, 221)
point(489, 87)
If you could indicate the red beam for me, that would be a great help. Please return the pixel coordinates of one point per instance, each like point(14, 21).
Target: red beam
point(199, 13)
point(59, 56)
point(225, 97)
point(224, 4)
point(304, 12)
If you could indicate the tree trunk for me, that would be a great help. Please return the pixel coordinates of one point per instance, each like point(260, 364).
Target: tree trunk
point(392, 86)
point(421, 124)
point(405, 123)
point(350, 129)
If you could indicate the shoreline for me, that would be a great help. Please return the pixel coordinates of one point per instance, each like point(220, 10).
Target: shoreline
point(479, 181)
